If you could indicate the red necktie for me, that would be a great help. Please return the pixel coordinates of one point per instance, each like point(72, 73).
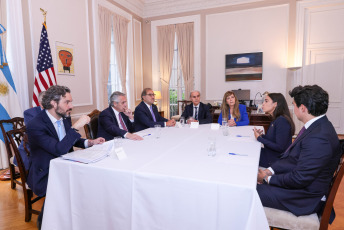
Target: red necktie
point(122, 123)
point(298, 135)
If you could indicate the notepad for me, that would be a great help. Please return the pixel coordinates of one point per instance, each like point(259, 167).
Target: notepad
point(90, 155)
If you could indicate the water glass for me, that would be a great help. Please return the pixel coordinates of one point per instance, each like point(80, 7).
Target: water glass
point(224, 121)
point(225, 130)
point(182, 121)
point(117, 143)
point(211, 146)
point(157, 131)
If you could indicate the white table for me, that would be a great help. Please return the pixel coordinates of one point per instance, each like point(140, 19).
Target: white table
point(168, 183)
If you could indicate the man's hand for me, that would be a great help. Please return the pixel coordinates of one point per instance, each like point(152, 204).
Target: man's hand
point(129, 113)
point(97, 141)
point(133, 136)
point(262, 174)
point(257, 132)
point(231, 122)
point(83, 120)
point(171, 122)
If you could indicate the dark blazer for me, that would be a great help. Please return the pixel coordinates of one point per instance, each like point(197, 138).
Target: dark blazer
point(45, 146)
point(108, 126)
point(276, 141)
point(143, 118)
point(204, 116)
point(303, 174)
point(28, 115)
point(243, 116)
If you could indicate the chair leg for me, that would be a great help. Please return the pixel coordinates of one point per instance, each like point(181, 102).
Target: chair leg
point(28, 205)
point(13, 174)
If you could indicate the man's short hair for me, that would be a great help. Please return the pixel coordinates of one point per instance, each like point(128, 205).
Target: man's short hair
point(195, 91)
point(54, 93)
point(114, 97)
point(144, 92)
point(313, 97)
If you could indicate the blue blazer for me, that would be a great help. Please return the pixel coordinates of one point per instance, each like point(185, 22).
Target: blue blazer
point(108, 126)
point(204, 116)
point(143, 118)
point(276, 141)
point(28, 115)
point(304, 173)
point(45, 146)
point(243, 116)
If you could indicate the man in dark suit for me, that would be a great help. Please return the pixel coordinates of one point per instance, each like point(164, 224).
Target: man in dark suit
point(146, 113)
point(51, 135)
point(197, 111)
point(300, 179)
point(117, 119)
point(28, 115)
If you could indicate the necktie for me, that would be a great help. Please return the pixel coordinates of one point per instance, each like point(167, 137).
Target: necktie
point(122, 123)
point(196, 113)
point(151, 109)
point(59, 129)
point(298, 135)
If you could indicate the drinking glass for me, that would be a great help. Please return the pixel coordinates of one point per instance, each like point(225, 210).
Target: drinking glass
point(211, 146)
point(182, 121)
point(157, 131)
point(224, 121)
point(225, 130)
point(117, 143)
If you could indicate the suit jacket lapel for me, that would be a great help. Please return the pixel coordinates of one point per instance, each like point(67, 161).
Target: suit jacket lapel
point(148, 110)
point(49, 124)
point(113, 115)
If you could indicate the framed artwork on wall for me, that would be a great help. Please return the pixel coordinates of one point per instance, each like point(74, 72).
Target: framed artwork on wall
point(244, 67)
point(65, 58)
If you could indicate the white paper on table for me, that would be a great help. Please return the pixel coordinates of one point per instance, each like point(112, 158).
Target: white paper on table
point(90, 155)
point(194, 125)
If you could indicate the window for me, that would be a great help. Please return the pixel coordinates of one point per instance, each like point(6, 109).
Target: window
point(114, 81)
point(177, 88)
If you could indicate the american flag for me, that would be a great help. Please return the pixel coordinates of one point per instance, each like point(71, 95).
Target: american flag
point(45, 74)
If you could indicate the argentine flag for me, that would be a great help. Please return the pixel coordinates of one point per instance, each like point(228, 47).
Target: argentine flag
point(9, 103)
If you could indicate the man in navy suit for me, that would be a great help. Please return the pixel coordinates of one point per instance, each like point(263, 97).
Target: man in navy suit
point(300, 179)
point(117, 119)
point(146, 113)
point(51, 135)
point(28, 115)
point(197, 111)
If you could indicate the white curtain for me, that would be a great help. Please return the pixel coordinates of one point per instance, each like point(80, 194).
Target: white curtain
point(105, 48)
point(120, 28)
point(185, 39)
point(166, 36)
point(3, 22)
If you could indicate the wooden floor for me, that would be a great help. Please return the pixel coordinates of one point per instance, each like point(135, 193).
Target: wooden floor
point(12, 212)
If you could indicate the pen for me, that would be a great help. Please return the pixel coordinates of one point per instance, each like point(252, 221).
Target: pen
point(242, 136)
point(237, 154)
point(146, 135)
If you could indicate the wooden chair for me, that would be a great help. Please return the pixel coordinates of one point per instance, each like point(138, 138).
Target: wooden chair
point(91, 129)
point(16, 136)
point(14, 123)
point(279, 219)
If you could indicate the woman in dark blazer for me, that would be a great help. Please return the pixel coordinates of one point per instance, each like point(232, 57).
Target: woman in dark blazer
point(233, 111)
point(279, 135)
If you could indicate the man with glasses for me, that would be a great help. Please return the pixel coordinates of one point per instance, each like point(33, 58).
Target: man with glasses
point(146, 113)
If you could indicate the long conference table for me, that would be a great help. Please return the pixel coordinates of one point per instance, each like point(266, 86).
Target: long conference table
point(168, 183)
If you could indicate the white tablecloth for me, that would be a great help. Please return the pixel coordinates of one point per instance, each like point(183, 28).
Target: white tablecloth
point(168, 183)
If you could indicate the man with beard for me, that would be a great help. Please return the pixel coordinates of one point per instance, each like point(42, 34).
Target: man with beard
point(51, 135)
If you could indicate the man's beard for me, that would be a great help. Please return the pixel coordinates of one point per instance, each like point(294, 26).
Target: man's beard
point(59, 112)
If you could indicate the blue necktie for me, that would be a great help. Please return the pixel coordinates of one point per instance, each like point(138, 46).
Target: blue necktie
point(59, 129)
point(196, 113)
point(151, 109)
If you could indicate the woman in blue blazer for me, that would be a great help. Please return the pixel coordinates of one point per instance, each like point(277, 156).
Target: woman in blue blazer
point(233, 111)
point(279, 135)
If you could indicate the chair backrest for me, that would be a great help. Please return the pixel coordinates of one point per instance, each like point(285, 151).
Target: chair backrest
point(337, 178)
point(91, 129)
point(183, 104)
point(14, 123)
point(15, 137)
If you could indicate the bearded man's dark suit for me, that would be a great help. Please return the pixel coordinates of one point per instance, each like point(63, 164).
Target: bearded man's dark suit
point(304, 172)
point(204, 116)
point(108, 126)
point(45, 146)
point(144, 119)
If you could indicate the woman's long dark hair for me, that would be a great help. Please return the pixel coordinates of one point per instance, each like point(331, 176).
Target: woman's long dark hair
point(282, 109)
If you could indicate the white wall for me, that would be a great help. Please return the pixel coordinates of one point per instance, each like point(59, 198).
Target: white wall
point(67, 22)
point(262, 29)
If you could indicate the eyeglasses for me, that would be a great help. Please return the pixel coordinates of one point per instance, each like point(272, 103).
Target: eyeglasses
point(151, 94)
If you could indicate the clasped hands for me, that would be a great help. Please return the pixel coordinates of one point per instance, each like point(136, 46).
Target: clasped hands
point(262, 174)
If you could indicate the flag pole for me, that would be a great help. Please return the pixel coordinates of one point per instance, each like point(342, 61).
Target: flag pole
point(44, 14)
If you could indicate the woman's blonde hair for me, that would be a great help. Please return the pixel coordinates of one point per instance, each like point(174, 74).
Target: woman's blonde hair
point(225, 106)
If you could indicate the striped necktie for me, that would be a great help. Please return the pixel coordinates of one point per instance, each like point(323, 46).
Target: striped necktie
point(196, 113)
point(151, 109)
point(122, 122)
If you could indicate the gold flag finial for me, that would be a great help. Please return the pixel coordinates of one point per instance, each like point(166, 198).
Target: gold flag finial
point(44, 14)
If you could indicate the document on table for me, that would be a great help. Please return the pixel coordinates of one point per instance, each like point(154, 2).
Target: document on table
point(90, 155)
